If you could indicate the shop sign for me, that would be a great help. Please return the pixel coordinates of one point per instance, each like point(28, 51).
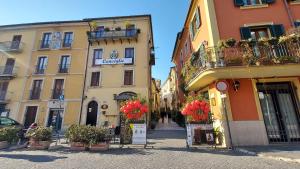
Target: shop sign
point(222, 86)
point(113, 61)
point(139, 134)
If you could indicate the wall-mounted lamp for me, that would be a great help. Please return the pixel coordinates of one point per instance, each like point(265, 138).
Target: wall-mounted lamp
point(236, 85)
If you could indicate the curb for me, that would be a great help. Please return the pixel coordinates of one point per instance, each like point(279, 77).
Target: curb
point(267, 156)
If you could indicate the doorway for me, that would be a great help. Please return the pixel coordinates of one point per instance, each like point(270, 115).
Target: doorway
point(92, 111)
point(55, 118)
point(30, 115)
point(280, 110)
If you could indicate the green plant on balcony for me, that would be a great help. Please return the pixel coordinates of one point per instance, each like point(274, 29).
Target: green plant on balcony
point(263, 41)
point(222, 44)
point(273, 41)
point(107, 29)
point(233, 61)
point(292, 38)
point(286, 59)
point(230, 42)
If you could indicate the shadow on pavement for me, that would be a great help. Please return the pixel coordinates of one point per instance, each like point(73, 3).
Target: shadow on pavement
point(32, 158)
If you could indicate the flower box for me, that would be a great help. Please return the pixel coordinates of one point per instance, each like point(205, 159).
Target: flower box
point(77, 146)
point(99, 146)
point(3, 144)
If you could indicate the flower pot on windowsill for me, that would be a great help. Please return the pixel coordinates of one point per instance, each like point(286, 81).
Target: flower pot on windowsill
point(99, 146)
point(77, 146)
point(39, 145)
point(3, 144)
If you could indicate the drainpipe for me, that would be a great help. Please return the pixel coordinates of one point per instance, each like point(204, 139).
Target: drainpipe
point(289, 12)
point(85, 72)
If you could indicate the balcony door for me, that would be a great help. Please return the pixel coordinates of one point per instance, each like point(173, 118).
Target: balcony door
point(64, 64)
point(9, 66)
point(30, 115)
point(41, 65)
point(130, 30)
point(46, 41)
point(256, 34)
point(36, 89)
point(16, 42)
point(58, 88)
point(280, 112)
point(3, 90)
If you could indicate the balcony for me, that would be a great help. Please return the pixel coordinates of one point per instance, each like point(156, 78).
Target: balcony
point(34, 94)
point(123, 34)
point(40, 70)
point(8, 72)
point(258, 61)
point(11, 46)
point(5, 97)
point(55, 44)
point(56, 93)
point(63, 68)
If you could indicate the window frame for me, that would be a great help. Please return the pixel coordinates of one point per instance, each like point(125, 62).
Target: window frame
point(98, 82)
point(94, 58)
point(124, 76)
point(70, 40)
point(133, 57)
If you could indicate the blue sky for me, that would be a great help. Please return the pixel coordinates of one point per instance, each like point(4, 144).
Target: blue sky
point(167, 15)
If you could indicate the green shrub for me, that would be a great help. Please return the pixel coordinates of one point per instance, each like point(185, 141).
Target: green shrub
point(78, 133)
point(98, 135)
point(40, 133)
point(9, 134)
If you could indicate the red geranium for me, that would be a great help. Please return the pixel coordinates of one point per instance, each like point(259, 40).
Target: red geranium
point(134, 109)
point(197, 109)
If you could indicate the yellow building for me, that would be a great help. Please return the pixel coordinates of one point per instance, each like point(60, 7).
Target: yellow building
point(119, 66)
point(155, 96)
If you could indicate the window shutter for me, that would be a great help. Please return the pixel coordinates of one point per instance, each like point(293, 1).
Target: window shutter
point(245, 33)
point(277, 30)
point(297, 24)
point(238, 3)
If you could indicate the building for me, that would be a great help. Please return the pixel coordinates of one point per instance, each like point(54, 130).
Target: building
point(262, 78)
point(118, 67)
point(155, 100)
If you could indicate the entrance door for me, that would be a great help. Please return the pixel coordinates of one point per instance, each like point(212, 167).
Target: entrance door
point(9, 66)
point(55, 118)
point(91, 118)
point(280, 111)
point(30, 116)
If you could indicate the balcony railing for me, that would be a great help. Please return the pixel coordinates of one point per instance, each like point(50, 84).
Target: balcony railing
point(55, 44)
point(257, 55)
point(11, 46)
point(113, 34)
point(63, 68)
point(40, 69)
point(35, 94)
point(56, 93)
point(8, 71)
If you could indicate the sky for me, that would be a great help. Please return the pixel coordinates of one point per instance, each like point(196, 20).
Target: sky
point(168, 17)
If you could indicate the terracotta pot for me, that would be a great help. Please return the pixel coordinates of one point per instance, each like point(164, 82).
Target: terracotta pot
point(77, 146)
point(3, 144)
point(39, 145)
point(99, 147)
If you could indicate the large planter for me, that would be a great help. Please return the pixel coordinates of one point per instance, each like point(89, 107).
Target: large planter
point(3, 144)
point(99, 146)
point(77, 146)
point(39, 145)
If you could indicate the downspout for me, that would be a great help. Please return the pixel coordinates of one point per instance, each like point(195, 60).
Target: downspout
point(85, 74)
point(289, 12)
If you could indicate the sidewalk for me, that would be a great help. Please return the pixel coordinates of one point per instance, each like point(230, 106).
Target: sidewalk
point(168, 125)
point(288, 153)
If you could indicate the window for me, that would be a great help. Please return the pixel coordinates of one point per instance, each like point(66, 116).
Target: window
point(240, 3)
point(297, 24)
point(181, 59)
point(195, 24)
point(130, 30)
point(36, 89)
point(15, 44)
point(58, 88)
point(95, 79)
point(252, 2)
point(68, 39)
point(3, 90)
point(46, 41)
point(262, 31)
point(128, 77)
point(129, 53)
point(41, 65)
point(97, 56)
point(64, 64)
point(100, 31)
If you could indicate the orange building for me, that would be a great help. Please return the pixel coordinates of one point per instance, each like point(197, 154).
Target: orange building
point(254, 46)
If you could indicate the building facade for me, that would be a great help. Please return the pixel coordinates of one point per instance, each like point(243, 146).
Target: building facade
point(119, 67)
point(262, 78)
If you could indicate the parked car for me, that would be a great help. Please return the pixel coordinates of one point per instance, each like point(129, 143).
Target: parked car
point(6, 122)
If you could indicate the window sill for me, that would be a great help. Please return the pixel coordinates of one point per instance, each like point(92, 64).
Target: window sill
point(128, 86)
point(295, 3)
point(94, 87)
point(254, 6)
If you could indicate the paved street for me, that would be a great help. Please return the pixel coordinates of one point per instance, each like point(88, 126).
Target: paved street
point(169, 152)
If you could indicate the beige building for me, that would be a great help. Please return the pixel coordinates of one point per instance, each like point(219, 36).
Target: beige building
point(119, 66)
point(169, 99)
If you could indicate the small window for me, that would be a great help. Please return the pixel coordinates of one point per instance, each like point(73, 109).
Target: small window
point(128, 77)
point(129, 53)
point(95, 79)
point(195, 24)
point(46, 41)
point(68, 39)
point(97, 56)
point(64, 64)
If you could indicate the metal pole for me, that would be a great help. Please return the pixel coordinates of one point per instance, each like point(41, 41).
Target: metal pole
point(227, 121)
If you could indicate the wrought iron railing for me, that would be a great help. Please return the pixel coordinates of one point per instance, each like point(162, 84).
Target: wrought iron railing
point(8, 70)
point(248, 55)
point(123, 33)
point(55, 44)
point(11, 46)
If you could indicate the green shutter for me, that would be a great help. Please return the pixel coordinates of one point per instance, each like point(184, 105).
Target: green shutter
point(238, 2)
point(297, 24)
point(245, 33)
point(277, 30)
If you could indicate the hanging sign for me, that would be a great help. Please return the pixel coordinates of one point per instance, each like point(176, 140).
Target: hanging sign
point(139, 134)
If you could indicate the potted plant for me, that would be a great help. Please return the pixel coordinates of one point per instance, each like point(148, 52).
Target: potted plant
point(230, 42)
point(218, 135)
point(118, 28)
point(233, 61)
point(99, 139)
point(8, 135)
point(286, 59)
point(40, 138)
point(78, 136)
point(106, 29)
point(263, 41)
point(222, 44)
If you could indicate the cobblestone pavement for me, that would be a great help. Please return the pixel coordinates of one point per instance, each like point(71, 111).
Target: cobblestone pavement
point(163, 155)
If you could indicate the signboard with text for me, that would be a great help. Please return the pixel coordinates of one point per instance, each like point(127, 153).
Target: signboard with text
point(139, 134)
point(113, 61)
